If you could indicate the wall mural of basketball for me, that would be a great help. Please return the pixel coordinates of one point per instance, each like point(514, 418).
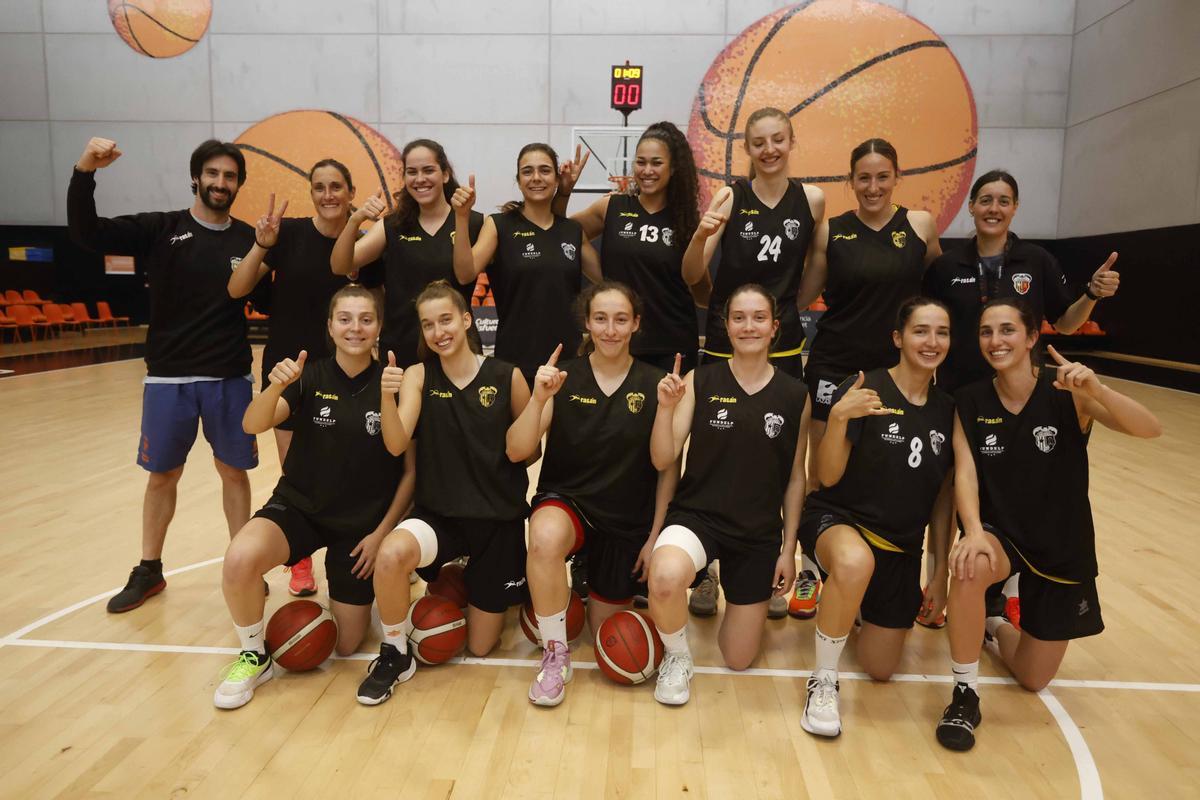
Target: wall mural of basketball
point(281, 149)
point(844, 71)
point(160, 28)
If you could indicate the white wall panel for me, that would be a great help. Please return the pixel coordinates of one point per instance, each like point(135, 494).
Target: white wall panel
point(1018, 81)
point(588, 17)
point(1089, 12)
point(20, 16)
point(74, 16)
point(295, 16)
point(34, 202)
point(984, 17)
point(23, 78)
point(457, 17)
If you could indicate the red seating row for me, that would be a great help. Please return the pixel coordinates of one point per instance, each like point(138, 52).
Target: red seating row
point(54, 317)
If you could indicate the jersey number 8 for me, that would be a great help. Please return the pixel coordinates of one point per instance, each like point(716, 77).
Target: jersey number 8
point(914, 454)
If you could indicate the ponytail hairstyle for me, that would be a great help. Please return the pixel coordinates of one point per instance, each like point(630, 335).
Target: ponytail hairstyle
point(533, 147)
point(407, 209)
point(339, 166)
point(683, 190)
point(752, 288)
point(352, 290)
point(912, 304)
point(881, 146)
point(761, 114)
point(1028, 319)
point(442, 290)
point(583, 307)
point(991, 176)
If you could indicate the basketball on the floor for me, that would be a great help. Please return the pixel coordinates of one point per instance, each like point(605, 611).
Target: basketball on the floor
point(575, 619)
point(438, 629)
point(281, 149)
point(301, 635)
point(844, 71)
point(160, 28)
point(451, 583)
point(628, 648)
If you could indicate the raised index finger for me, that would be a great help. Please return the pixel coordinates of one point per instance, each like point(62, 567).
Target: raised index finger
point(720, 198)
point(1056, 355)
point(554, 356)
point(678, 365)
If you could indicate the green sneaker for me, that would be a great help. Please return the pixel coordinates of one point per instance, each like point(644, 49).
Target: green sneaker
point(241, 677)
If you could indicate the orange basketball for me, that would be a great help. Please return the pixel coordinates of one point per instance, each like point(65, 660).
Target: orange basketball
point(160, 28)
point(301, 635)
point(575, 618)
point(628, 648)
point(281, 150)
point(844, 71)
point(451, 584)
point(438, 629)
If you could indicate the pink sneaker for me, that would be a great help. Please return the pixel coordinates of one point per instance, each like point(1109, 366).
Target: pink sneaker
point(302, 583)
point(549, 687)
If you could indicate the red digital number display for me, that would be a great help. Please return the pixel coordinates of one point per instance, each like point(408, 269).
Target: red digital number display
point(626, 87)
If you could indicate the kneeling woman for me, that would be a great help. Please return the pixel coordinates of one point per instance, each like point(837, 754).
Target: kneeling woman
point(747, 421)
point(597, 490)
point(1021, 488)
point(470, 493)
point(882, 463)
point(341, 489)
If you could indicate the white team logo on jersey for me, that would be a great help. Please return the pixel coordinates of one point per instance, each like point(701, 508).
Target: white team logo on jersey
point(772, 424)
point(722, 422)
point(531, 251)
point(936, 440)
point(667, 236)
point(825, 390)
point(373, 423)
point(748, 232)
point(568, 251)
point(324, 417)
point(627, 232)
point(893, 435)
point(991, 445)
point(1021, 282)
point(183, 237)
point(1045, 437)
point(791, 228)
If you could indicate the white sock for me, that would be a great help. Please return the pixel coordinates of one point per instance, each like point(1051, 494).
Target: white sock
point(966, 673)
point(829, 652)
point(251, 637)
point(1011, 587)
point(396, 635)
point(992, 624)
point(808, 565)
point(553, 628)
point(675, 643)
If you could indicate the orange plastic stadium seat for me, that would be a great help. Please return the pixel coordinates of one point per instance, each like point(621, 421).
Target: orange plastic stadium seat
point(67, 313)
point(9, 324)
point(82, 316)
point(13, 296)
point(27, 317)
point(1048, 329)
point(31, 297)
point(1090, 328)
point(55, 317)
point(104, 314)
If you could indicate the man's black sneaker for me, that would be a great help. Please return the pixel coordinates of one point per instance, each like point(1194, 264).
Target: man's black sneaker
point(390, 668)
point(579, 581)
point(956, 731)
point(143, 584)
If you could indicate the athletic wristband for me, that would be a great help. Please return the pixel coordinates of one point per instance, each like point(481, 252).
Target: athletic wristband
point(1088, 291)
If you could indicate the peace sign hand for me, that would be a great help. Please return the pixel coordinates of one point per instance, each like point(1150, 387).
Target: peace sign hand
point(392, 376)
point(672, 388)
point(287, 372)
point(549, 378)
point(1074, 377)
point(858, 402)
point(569, 171)
point(1105, 280)
point(464, 197)
point(712, 220)
point(266, 230)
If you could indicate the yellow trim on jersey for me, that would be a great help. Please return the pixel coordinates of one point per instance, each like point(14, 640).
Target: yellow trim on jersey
point(1038, 572)
point(877, 541)
point(795, 351)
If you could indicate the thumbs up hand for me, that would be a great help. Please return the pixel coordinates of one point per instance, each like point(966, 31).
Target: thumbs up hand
point(463, 199)
point(858, 402)
point(392, 376)
point(1105, 280)
point(287, 372)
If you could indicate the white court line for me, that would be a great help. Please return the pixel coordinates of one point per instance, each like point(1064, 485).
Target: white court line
point(79, 366)
point(1085, 765)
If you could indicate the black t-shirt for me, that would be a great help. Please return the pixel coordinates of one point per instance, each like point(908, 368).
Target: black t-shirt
point(896, 465)
point(740, 455)
point(412, 260)
point(960, 281)
point(196, 328)
point(535, 277)
point(871, 272)
point(643, 251)
point(598, 448)
point(462, 468)
point(338, 471)
point(1033, 475)
point(766, 246)
point(300, 292)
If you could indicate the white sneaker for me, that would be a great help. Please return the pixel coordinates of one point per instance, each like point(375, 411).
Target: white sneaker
point(673, 676)
point(241, 678)
point(821, 716)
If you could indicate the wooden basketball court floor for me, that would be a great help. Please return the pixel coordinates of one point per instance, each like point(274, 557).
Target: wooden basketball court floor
point(97, 705)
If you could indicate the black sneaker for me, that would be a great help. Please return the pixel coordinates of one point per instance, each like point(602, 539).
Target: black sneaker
point(143, 584)
point(994, 600)
point(641, 601)
point(392, 667)
point(579, 581)
point(956, 731)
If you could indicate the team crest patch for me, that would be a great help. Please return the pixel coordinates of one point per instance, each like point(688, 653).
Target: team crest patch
point(373, 423)
point(668, 236)
point(568, 251)
point(899, 239)
point(825, 390)
point(233, 262)
point(487, 396)
point(772, 424)
point(1045, 437)
point(791, 229)
point(936, 440)
point(635, 401)
point(1021, 282)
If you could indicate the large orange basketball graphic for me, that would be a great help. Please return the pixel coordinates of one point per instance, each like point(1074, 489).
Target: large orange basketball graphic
point(281, 150)
point(160, 28)
point(844, 71)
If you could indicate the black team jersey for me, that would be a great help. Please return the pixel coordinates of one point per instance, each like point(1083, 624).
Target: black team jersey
point(959, 280)
point(412, 260)
point(598, 449)
point(338, 471)
point(766, 246)
point(196, 328)
point(896, 465)
point(1033, 476)
point(462, 469)
point(535, 277)
point(871, 272)
point(740, 456)
point(643, 251)
point(300, 292)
